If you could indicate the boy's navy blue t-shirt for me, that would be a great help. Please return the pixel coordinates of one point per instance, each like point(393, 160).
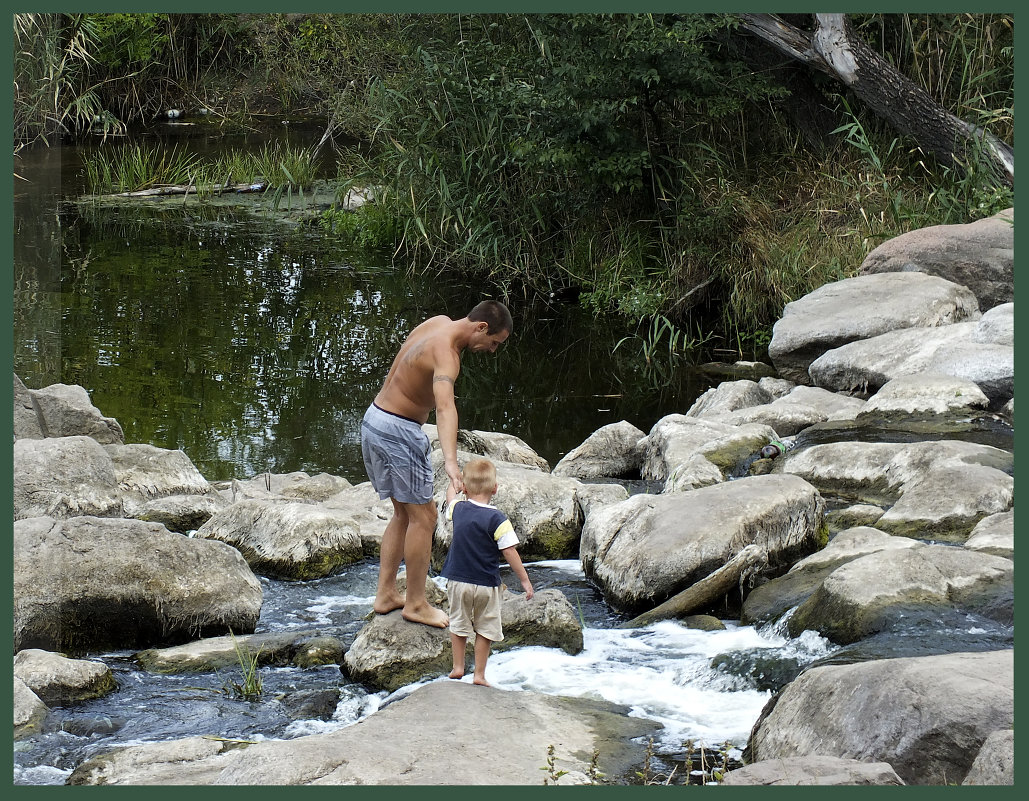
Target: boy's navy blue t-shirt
point(480, 533)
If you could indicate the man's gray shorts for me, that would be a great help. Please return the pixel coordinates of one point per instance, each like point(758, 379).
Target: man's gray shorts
point(396, 456)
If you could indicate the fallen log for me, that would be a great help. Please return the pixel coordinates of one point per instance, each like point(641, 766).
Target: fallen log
point(706, 591)
point(156, 191)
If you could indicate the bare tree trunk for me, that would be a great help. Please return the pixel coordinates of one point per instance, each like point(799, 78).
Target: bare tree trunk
point(835, 49)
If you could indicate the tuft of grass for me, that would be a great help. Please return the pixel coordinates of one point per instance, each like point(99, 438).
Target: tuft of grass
point(128, 168)
point(252, 686)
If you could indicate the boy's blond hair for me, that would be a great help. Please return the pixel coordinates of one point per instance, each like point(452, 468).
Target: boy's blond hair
point(479, 477)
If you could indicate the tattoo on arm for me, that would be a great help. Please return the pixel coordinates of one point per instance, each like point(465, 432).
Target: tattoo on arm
point(446, 378)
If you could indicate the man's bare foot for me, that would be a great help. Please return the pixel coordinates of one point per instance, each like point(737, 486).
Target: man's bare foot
point(388, 603)
point(426, 614)
point(481, 682)
point(456, 673)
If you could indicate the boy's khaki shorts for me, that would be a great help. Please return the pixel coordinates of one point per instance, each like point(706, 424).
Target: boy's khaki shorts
point(474, 609)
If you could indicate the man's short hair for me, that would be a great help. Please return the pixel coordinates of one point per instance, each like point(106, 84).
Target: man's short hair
point(479, 476)
point(494, 314)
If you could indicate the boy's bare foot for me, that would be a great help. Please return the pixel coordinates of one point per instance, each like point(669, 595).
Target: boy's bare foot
point(388, 603)
point(426, 614)
point(481, 682)
point(456, 673)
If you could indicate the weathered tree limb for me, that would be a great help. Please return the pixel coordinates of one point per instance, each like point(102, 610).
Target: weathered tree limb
point(708, 589)
point(837, 50)
point(191, 188)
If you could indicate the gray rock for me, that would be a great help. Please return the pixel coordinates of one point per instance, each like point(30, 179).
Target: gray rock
point(861, 597)
point(812, 770)
point(58, 680)
point(148, 478)
point(300, 648)
point(29, 711)
point(297, 486)
point(26, 418)
point(937, 490)
point(361, 503)
point(675, 438)
point(859, 308)
point(64, 477)
point(728, 397)
point(997, 326)
point(91, 584)
point(773, 599)
point(66, 411)
point(497, 446)
point(859, 514)
point(924, 394)
point(863, 367)
point(994, 534)
point(803, 406)
point(287, 540)
point(608, 452)
point(979, 255)
point(1008, 411)
point(389, 652)
point(645, 550)
point(995, 763)
point(415, 728)
point(776, 387)
point(926, 716)
point(541, 506)
point(596, 496)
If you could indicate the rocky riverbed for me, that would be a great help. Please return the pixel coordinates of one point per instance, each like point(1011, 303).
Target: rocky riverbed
point(864, 492)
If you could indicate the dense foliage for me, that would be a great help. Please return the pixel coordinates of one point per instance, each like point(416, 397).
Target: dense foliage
point(640, 161)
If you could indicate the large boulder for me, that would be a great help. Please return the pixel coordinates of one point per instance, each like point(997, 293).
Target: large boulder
point(862, 307)
point(29, 711)
point(65, 410)
point(997, 326)
point(541, 506)
point(995, 762)
point(863, 367)
point(495, 445)
point(64, 477)
point(922, 395)
point(812, 770)
point(864, 596)
point(361, 503)
point(773, 599)
point(163, 486)
point(300, 648)
point(58, 680)
point(26, 418)
point(389, 652)
point(938, 490)
point(803, 406)
point(979, 255)
point(90, 584)
point(728, 397)
point(296, 486)
point(433, 736)
point(288, 540)
point(994, 534)
point(675, 440)
point(609, 452)
point(926, 716)
point(646, 549)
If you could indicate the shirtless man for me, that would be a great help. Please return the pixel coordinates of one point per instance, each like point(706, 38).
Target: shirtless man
point(397, 451)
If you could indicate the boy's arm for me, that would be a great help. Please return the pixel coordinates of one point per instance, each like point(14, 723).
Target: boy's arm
point(513, 559)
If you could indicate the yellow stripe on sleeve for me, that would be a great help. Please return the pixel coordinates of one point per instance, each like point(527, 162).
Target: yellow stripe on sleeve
point(502, 529)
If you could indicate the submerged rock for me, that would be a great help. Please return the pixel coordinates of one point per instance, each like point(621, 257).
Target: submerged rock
point(300, 648)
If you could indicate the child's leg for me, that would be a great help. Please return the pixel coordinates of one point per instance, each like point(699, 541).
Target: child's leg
point(482, 649)
point(457, 643)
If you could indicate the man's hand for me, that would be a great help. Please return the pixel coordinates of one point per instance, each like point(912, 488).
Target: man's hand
point(454, 471)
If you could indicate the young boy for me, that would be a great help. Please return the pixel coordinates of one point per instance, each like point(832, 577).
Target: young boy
point(472, 567)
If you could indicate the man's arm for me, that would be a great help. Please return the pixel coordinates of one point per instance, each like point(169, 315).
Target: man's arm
point(443, 378)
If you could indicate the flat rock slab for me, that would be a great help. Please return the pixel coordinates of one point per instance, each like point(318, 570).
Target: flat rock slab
point(926, 716)
point(812, 770)
point(444, 733)
point(301, 648)
point(859, 308)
